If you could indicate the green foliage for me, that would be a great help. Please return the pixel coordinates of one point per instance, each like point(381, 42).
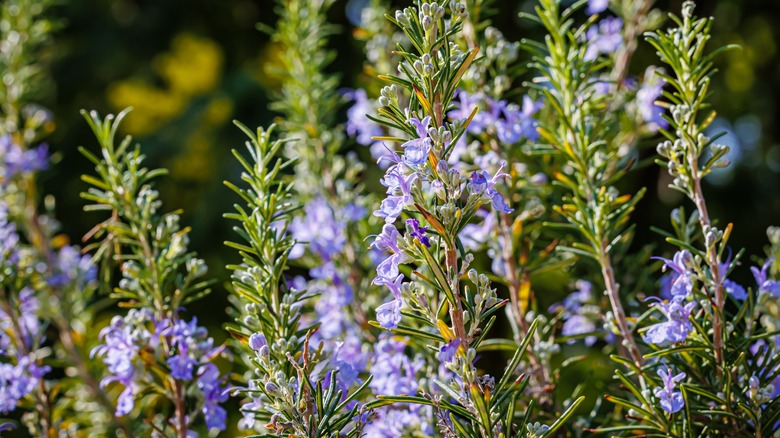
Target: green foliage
point(158, 271)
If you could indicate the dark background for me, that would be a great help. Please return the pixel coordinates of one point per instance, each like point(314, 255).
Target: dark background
point(190, 67)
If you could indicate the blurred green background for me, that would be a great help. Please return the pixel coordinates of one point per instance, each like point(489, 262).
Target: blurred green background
point(190, 67)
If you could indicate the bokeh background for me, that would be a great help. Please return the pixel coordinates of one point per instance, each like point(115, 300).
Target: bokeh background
point(190, 67)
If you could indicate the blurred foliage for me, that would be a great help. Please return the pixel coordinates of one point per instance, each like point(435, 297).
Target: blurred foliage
point(189, 68)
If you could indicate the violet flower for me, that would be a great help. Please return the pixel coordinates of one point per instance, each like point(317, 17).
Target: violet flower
point(671, 401)
point(646, 96)
point(677, 326)
point(766, 285)
point(682, 276)
point(482, 183)
point(604, 38)
point(418, 232)
point(597, 6)
point(518, 123)
point(416, 150)
point(449, 351)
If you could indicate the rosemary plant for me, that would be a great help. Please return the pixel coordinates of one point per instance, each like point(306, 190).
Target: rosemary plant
point(152, 351)
point(452, 315)
point(290, 392)
point(46, 286)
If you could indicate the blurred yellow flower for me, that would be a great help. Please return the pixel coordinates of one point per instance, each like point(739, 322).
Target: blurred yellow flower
point(192, 67)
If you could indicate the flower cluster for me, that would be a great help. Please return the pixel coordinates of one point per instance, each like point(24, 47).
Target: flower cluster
point(581, 315)
point(139, 347)
point(16, 161)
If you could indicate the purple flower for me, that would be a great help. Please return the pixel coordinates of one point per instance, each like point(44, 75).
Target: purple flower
point(766, 285)
point(126, 402)
point(399, 189)
point(518, 124)
point(320, 228)
point(389, 314)
point(735, 289)
point(181, 366)
point(390, 208)
point(604, 38)
point(394, 372)
point(26, 310)
point(418, 232)
point(119, 350)
point(482, 119)
point(71, 266)
point(396, 421)
point(597, 6)
point(482, 183)
point(576, 325)
point(416, 150)
point(335, 295)
point(214, 393)
point(141, 330)
point(353, 212)
point(394, 284)
point(349, 360)
point(474, 236)
point(682, 277)
point(17, 381)
point(9, 238)
point(257, 341)
point(646, 97)
point(388, 240)
point(16, 161)
point(248, 410)
point(389, 267)
point(449, 351)
point(579, 315)
point(671, 401)
point(677, 326)
point(358, 124)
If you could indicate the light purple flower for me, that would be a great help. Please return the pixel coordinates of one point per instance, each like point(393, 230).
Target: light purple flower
point(320, 228)
point(358, 124)
point(389, 314)
point(72, 267)
point(388, 240)
point(394, 372)
point(16, 161)
point(181, 366)
point(597, 6)
point(9, 238)
point(257, 341)
point(735, 289)
point(214, 393)
point(671, 401)
point(482, 119)
point(766, 285)
point(416, 150)
point(605, 38)
point(649, 92)
point(677, 326)
point(126, 402)
point(682, 276)
point(483, 183)
point(399, 189)
point(17, 381)
point(518, 123)
point(449, 351)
